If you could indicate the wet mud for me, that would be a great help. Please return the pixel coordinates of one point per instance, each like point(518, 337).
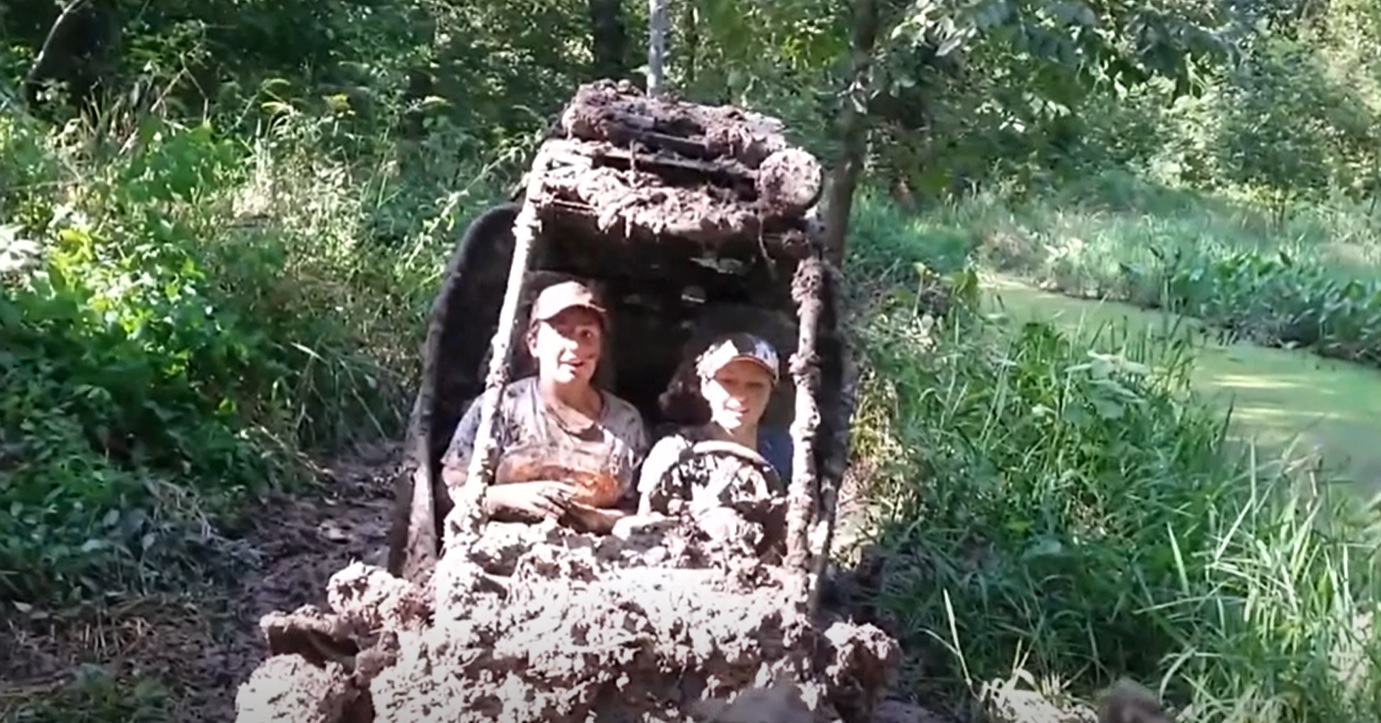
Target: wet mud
point(539, 623)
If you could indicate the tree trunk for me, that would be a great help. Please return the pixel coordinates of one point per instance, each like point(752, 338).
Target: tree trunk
point(689, 44)
point(82, 50)
point(656, 46)
point(853, 129)
point(608, 39)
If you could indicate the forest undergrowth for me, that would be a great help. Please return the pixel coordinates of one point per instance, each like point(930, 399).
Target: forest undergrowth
point(199, 307)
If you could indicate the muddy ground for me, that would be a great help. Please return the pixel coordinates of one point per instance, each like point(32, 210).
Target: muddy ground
point(203, 644)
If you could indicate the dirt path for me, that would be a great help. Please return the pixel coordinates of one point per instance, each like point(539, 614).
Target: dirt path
point(200, 647)
point(303, 542)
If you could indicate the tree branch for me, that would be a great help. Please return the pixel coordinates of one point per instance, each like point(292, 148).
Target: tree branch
point(853, 127)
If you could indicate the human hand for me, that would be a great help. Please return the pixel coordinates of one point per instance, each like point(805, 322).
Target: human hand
point(587, 518)
point(543, 499)
point(584, 518)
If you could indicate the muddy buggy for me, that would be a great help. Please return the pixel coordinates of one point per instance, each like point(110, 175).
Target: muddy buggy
point(690, 221)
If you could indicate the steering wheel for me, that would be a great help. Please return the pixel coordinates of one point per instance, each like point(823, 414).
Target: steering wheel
point(762, 507)
point(715, 448)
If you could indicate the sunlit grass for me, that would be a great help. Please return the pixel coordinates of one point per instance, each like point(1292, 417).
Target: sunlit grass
point(1288, 401)
point(1060, 493)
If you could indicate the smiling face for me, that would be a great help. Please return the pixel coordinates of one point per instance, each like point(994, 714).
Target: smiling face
point(737, 394)
point(567, 346)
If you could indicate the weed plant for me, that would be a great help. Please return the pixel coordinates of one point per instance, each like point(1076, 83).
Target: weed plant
point(184, 321)
point(1051, 507)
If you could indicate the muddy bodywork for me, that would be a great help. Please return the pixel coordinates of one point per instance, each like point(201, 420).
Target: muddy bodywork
point(690, 221)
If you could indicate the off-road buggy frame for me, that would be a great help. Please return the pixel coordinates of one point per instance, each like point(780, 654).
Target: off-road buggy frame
point(694, 221)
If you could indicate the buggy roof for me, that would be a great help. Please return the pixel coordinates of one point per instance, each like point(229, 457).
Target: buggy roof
point(622, 165)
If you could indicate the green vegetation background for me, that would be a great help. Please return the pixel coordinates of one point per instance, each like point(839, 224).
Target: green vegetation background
point(204, 293)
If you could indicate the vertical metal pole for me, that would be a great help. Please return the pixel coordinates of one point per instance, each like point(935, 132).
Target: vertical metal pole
point(467, 519)
point(806, 288)
point(656, 46)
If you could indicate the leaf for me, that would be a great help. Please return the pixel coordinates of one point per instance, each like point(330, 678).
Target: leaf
point(951, 44)
point(1108, 409)
point(93, 545)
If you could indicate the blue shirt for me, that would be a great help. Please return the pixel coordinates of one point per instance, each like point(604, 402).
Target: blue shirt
point(775, 446)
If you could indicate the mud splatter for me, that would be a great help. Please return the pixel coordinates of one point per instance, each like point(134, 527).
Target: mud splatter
point(663, 166)
point(545, 624)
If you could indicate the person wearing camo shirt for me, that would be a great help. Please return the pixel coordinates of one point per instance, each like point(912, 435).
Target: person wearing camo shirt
point(568, 450)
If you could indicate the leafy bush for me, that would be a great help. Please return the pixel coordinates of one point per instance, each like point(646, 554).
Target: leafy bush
point(1284, 121)
point(190, 326)
point(1065, 506)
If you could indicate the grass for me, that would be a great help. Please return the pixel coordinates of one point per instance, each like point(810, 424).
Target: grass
point(183, 320)
point(93, 695)
point(1308, 280)
point(206, 309)
point(1062, 497)
point(1290, 401)
point(1078, 516)
point(193, 317)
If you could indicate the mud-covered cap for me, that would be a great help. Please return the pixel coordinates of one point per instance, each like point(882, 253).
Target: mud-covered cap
point(738, 347)
point(565, 295)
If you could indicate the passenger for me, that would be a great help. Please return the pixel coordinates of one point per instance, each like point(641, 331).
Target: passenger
point(568, 450)
point(737, 373)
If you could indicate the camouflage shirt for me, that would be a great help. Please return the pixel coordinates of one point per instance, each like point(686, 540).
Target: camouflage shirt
point(527, 427)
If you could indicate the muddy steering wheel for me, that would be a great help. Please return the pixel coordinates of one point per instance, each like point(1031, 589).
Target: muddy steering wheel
point(745, 499)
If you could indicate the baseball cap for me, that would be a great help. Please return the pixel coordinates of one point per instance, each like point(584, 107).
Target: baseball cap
point(565, 295)
point(738, 347)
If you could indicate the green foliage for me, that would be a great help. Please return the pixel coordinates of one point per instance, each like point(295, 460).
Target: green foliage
point(1285, 121)
point(231, 274)
point(167, 355)
point(1064, 506)
point(1309, 283)
point(95, 696)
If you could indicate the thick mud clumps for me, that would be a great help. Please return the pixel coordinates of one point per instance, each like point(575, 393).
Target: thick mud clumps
point(538, 623)
point(670, 167)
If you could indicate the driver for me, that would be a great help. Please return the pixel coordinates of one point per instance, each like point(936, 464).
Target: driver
point(568, 450)
point(737, 373)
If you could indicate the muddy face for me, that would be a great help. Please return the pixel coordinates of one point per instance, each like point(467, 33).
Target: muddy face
point(567, 346)
point(737, 394)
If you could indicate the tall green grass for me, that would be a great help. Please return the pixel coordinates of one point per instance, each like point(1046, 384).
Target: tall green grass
point(1076, 513)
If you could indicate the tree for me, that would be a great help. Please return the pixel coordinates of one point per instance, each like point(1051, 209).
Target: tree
point(853, 129)
point(608, 38)
point(656, 46)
